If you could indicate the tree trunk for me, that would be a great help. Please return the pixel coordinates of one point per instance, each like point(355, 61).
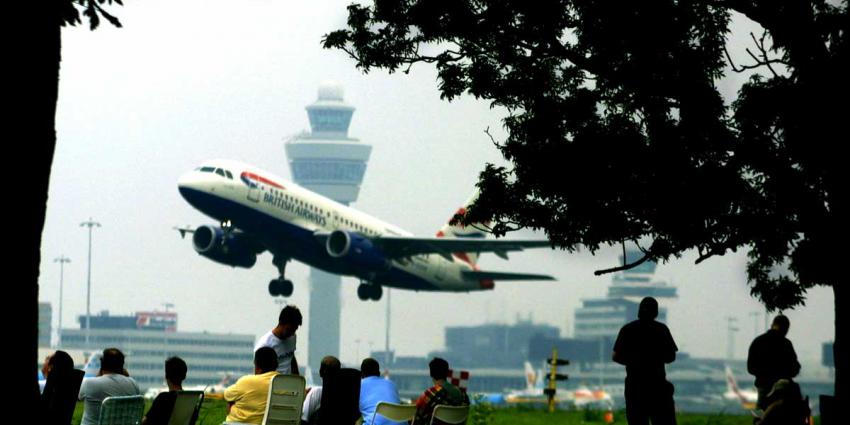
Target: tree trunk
point(31, 130)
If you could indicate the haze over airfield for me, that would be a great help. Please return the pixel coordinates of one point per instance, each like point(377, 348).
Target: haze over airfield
point(187, 81)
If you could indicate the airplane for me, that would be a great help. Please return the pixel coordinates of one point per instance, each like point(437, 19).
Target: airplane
point(585, 397)
point(533, 394)
point(259, 211)
point(91, 369)
point(533, 391)
point(747, 398)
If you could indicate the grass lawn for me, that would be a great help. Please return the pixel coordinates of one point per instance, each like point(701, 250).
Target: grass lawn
point(212, 413)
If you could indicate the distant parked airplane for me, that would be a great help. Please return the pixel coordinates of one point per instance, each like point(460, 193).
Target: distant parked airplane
point(261, 212)
point(533, 393)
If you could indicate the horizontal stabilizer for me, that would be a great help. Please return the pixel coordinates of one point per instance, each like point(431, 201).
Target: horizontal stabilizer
point(479, 275)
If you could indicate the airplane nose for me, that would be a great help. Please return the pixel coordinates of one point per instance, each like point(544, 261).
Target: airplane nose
point(190, 183)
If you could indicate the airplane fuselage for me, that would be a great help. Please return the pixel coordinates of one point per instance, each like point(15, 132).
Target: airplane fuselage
point(286, 218)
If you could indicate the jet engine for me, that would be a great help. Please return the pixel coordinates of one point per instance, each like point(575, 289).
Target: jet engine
point(356, 249)
point(230, 248)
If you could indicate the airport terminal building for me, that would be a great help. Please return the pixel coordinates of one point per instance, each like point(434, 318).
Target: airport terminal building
point(148, 338)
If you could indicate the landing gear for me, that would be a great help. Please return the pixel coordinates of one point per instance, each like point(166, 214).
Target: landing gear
point(368, 291)
point(280, 286)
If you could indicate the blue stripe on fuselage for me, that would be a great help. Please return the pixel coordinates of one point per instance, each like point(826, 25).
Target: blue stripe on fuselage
point(288, 240)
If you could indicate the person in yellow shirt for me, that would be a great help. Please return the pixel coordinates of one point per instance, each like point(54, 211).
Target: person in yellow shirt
point(246, 399)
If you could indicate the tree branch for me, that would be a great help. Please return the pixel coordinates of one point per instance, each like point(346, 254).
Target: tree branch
point(623, 267)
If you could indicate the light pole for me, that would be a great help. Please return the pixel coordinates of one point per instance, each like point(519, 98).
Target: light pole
point(62, 259)
point(387, 334)
point(357, 352)
point(755, 315)
point(90, 224)
point(731, 329)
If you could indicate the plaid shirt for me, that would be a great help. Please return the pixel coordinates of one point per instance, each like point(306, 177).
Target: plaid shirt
point(436, 395)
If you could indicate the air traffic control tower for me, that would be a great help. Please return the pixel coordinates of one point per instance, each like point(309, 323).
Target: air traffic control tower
point(327, 161)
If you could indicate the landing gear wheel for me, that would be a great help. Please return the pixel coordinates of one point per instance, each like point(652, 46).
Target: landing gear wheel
point(363, 292)
point(280, 287)
point(376, 292)
point(286, 288)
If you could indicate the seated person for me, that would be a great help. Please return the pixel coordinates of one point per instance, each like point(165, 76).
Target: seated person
point(112, 380)
point(785, 405)
point(313, 399)
point(373, 390)
point(59, 395)
point(59, 361)
point(246, 399)
point(443, 392)
point(163, 404)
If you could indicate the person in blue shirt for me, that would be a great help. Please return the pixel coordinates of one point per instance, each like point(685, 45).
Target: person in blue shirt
point(373, 390)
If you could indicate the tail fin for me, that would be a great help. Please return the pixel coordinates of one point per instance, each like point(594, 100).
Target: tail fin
point(92, 367)
point(732, 383)
point(530, 377)
point(458, 231)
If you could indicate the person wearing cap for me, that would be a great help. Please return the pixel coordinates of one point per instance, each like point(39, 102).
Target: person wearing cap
point(771, 358)
point(644, 346)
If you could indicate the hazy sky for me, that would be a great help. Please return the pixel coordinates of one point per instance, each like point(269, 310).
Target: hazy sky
point(192, 80)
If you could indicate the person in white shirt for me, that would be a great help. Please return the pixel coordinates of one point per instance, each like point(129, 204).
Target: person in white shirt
point(282, 340)
point(313, 400)
point(113, 380)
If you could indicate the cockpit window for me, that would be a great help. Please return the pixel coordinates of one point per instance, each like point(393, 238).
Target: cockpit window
point(229, 175)
point(207, 169)
point(220, 172)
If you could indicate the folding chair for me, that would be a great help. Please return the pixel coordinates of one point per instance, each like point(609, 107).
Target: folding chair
point(122, 410)
point(186, 407)
point(395, 412)
point(285, 399)
point(60, 397)
point(445, 414)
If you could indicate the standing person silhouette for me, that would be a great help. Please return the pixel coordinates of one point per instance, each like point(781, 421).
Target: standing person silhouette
point(644, 346)
point(771, 358)
point(283, 340)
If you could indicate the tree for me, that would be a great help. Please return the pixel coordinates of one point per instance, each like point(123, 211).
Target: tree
point(617, 130)
point(37, 91)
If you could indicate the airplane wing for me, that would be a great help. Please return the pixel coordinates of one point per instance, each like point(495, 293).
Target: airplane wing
point(184, 230)
point(478, 275)
point(407, 246)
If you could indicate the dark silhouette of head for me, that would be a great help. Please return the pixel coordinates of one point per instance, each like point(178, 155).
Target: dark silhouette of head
point(265, 360)
point(781, 324)
point(369, 367)
point(648, 309)
point(112, 361)
point(289, 321)
point(175, 370)
point(439, 368)
point(59, 362)
point(329, 366)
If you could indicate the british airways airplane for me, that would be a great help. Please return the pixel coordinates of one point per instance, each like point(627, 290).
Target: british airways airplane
point(261, 212)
